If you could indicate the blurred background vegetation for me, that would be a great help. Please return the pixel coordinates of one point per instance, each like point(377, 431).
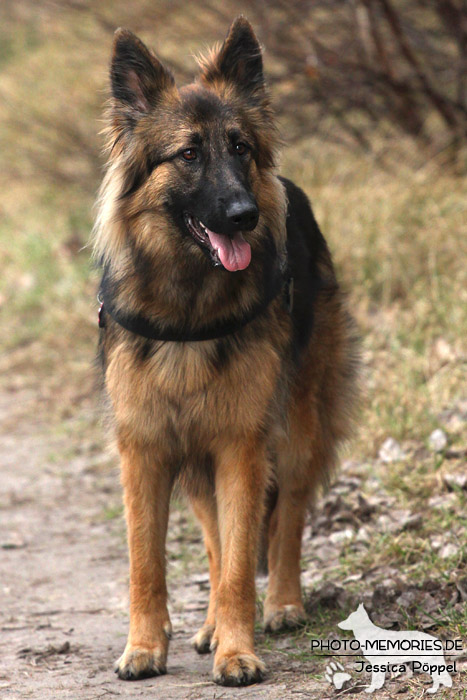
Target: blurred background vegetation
point(371, 97)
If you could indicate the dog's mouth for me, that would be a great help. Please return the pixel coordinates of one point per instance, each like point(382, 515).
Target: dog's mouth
point(232, 253)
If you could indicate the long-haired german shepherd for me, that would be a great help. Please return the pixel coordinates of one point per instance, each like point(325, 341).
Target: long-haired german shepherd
point(227, 352)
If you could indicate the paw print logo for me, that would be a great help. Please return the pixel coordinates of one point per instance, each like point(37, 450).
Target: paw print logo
point(336, 675)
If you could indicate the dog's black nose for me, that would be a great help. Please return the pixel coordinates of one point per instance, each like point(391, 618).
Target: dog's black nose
point(243, 214)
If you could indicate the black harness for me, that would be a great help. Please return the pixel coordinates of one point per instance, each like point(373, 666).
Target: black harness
point(153, 330)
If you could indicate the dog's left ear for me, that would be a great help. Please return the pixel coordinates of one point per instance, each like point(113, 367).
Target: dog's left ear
point(239, 59)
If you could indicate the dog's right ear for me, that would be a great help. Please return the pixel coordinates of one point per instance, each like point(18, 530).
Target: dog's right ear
point(238, 61)
point(137, 77)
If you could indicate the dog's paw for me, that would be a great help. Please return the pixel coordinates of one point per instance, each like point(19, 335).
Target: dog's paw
point(136, 663)
point(287, 617)
point(238, 669)
point(202, 639)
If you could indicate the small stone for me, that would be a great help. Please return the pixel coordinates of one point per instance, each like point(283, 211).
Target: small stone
point(391, 451)
point(341, 536)
point(445, 500)
point(413, 522)
point(438, 440)
point(406, 599)
point(363, 535)
point(394, 522)
point(12, 541)
point(455, 480)
point(444, 351)
point(449, 550)
point(352, 578)
point(26, 281)
point(12, 545)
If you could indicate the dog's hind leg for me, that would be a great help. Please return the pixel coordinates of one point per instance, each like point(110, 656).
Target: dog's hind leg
point(205, 509)
point(240, 480)
point(283, 607)
point(147, 486)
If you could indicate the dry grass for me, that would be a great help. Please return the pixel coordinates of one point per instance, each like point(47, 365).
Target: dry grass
point(399, 239)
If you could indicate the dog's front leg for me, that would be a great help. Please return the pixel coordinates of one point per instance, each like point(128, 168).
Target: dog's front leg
point(147, 486)
point(241, 473)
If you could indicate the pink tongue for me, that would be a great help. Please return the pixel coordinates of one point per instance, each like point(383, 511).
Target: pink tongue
point(234, 253)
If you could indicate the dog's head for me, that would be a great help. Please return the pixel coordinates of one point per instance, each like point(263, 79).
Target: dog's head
point(196, 153)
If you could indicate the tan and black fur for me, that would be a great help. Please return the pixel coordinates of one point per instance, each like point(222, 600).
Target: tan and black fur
point(248, 424)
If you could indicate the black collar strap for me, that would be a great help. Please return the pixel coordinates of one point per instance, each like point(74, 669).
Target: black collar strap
point(148, 328)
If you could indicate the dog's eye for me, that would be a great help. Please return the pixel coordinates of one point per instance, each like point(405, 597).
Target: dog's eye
point(190, 154)
point(241, 149)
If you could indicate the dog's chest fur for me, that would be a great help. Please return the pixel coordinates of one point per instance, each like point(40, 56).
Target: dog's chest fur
point(188, 394)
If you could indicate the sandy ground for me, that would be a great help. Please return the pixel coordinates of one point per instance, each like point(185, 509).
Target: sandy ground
point(63, 583)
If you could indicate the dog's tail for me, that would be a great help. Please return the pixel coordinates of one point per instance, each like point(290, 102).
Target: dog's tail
point(271, 501)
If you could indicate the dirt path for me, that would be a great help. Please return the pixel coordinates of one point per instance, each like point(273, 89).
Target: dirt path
point(63, 587)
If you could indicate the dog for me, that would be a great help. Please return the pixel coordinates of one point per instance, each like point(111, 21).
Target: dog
point(228, 356)
point(380, 647)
